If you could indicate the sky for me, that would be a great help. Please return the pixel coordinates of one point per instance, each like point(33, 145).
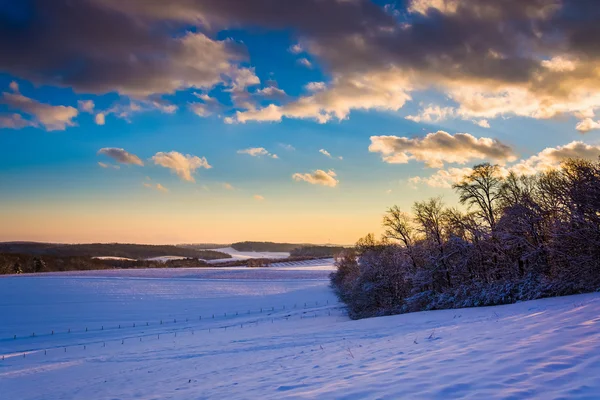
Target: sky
point(302, 121)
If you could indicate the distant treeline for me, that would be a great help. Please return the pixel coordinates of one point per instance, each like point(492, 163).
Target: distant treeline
point(124, 250)
point(265, 246)
point(203, 246)
point(316, 251)
point(27, 264)
point(521, 237)
point(295, 250)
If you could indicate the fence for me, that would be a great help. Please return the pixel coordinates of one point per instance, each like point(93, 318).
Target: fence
point(182, 327)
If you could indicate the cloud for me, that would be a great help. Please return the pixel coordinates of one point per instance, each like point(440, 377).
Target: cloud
point(318, 177)
point(207, 107)
point(328, 154)
point(546, 159)
point(138, 56)
point(432, 113)
point(14, 121)
point(127, 108)
point(228, 186)
point(105, 165)
point(121, 156)
point(587, 125)
point(383, 90)
point(257, 152)
point(100, 119)
point(325, 152)
point(305, 62)
point(443, 178)
point(534, 58)
point(436, 149)
point(288, 147)
point(315, 86)
point(493, 58)
point(183, 165)
point(52, 118)
point(86, 105)
point(272, 92)
point(258, 197)
point(158, 187)
point(551, 157)
point(296, 49)
point(482, 123)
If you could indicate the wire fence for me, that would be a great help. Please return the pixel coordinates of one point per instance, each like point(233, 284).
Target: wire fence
point(171, 328)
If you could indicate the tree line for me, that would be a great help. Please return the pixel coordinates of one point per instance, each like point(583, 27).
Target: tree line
point(519, 237)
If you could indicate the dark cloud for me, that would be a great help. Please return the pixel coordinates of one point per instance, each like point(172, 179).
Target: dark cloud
point(141, 48)
point(95, 48)
point(121, 156)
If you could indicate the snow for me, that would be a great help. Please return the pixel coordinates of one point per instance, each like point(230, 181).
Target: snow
point(114, 258)
point(546, 348)
point(166, 258)
point(244, 255)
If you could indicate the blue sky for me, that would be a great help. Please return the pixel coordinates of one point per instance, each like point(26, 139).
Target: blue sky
point(195, 84)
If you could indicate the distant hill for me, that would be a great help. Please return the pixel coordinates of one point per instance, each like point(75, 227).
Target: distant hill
point(204, 246)
point(125, 250)
point(265, 246)
point(295, 250)
point(316, 251)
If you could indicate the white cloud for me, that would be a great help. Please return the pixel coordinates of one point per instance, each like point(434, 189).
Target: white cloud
point(559, 64)
point(296, 49)
point(325, 152)
point(121, 156)
point(100, 119)
point(14, 121)
point(86, 105)
point(288, 147)
point(548, 158)
point(551, 157)
point(105, 165)
point(318, 177)
point(482, 123)
point(158, 187)
point(52, 118)
point(432, 113)
point(383, 90)
point(315, 86)
point(183, 165)
point(443, 178)
point(272, 92)
point(257, 152)
point(328, 154)
point(305, 62)
point(587, 125)
point(436, 149)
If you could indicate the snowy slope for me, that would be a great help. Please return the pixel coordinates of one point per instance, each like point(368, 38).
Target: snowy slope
point(244, 255)
point(541, 349)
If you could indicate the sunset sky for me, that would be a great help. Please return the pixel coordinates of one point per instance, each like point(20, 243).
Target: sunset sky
point(299, 120)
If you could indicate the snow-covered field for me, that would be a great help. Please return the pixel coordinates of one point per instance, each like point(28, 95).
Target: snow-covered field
point(244, 255)
point(254, 348)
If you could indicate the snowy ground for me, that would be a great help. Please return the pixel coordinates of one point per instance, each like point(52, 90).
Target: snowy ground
point(541, 349)
point(244, 255)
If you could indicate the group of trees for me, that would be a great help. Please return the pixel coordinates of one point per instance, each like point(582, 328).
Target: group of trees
point(125, 250)
point(521, 237)
point(27, 263)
